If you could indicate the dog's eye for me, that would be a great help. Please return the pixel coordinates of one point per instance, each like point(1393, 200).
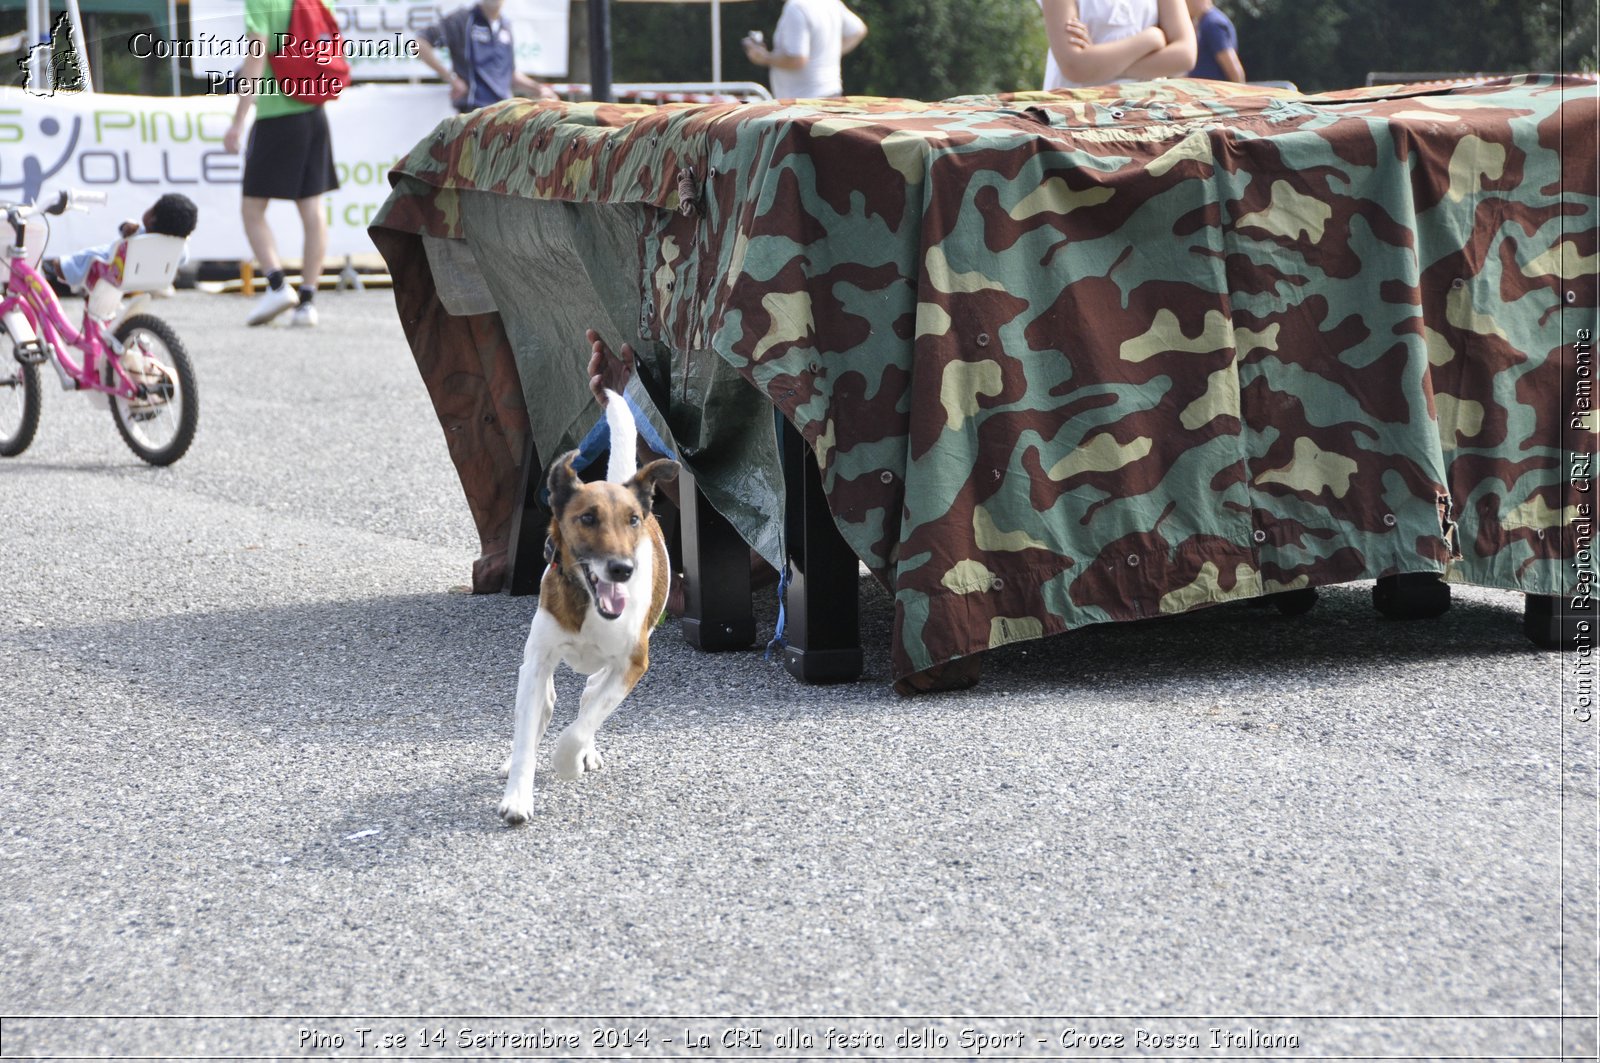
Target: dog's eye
point(634, 520)
point(588, 520)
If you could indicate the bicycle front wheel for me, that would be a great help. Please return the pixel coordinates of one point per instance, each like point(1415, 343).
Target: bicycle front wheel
point(158, 423)
point(19, 399)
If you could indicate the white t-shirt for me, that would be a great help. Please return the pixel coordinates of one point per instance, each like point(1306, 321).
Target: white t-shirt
point(1108, 20)
point(815, 29)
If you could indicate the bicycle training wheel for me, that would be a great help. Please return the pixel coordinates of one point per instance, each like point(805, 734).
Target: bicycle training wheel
point(19, 399)
point(158, 424)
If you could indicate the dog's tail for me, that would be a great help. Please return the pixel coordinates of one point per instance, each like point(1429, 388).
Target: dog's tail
point(624, 461)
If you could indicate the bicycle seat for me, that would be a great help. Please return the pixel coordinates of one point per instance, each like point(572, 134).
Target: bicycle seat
point(145, 263)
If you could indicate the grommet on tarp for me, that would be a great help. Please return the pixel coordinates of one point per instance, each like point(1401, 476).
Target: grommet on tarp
point(1458, 284)
point(886, 476)
point(1259, 536)
point(983, 339)
point(1133, 560)
point(1389, 520)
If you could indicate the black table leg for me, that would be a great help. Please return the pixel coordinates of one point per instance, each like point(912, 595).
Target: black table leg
point(530, 521)
point(1558, 622)
point(823, 626)
point(716, 583)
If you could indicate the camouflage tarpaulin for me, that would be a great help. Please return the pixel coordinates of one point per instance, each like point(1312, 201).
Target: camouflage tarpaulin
point(1096, 355)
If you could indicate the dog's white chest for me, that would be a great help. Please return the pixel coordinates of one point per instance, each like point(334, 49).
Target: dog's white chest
point(600, 643)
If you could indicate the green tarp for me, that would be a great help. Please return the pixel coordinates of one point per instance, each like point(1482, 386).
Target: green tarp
point(1064, 358)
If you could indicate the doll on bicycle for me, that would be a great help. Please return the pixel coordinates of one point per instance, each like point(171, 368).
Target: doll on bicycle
point(174, 214)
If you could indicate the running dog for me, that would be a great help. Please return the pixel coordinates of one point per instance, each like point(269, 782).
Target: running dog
point(603, 591)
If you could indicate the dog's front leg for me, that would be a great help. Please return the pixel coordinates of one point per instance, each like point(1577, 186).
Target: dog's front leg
point(575, 752)
point(536, 700)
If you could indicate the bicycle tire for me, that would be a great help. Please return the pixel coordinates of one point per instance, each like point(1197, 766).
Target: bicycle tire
point(17, 374)
point(188, 397)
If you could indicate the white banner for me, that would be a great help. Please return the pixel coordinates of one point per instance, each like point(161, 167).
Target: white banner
point(135, 148)
point(377, 36)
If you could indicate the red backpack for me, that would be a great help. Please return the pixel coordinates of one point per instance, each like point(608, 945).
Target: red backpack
point(309, 64)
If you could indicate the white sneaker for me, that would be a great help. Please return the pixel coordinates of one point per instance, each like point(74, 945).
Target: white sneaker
point(305, 316)
point(273, 303)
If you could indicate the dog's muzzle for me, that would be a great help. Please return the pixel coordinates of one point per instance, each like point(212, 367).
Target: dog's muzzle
point(610, 596)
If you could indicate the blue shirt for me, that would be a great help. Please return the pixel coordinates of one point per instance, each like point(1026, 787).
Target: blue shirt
point(493, 62)
point(482, 56)
point(1214, 33)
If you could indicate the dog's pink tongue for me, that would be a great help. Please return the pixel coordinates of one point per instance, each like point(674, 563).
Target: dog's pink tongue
point(612, 596)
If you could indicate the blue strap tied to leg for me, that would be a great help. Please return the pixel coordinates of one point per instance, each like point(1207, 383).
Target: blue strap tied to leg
point(778, 641)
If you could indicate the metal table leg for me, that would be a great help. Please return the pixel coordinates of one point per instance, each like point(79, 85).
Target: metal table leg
point(824, 632)
point(716, 583)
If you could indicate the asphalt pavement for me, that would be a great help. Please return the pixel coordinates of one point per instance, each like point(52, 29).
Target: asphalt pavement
point(248, 786)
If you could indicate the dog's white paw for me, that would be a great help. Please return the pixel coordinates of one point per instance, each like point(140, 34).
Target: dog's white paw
point(516, 808)
point(573, 757)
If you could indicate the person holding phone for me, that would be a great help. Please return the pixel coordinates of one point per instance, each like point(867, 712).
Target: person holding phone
point(808, 45)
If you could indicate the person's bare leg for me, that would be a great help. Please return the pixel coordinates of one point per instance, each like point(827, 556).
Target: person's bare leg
point(315, 224)
point(253, 209)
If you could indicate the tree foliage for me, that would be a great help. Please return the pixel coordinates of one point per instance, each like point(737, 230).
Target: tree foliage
point(934, 49)
point(931, 49)
point(1331, 44)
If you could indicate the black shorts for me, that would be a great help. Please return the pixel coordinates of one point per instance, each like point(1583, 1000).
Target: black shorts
point(290, 157)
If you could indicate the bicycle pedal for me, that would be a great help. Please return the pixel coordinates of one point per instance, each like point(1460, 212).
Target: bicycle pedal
point(31, 354)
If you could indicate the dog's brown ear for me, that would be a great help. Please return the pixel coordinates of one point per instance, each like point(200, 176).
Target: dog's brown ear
point(563, 481)
point(644, 481)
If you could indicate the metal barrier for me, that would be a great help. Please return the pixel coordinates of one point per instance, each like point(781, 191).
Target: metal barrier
point(671, 91)
point(1401, 77)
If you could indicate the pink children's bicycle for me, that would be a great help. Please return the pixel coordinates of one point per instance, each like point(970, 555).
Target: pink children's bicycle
point(133, 359)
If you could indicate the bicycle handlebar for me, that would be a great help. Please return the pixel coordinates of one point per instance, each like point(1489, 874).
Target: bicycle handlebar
point(67, 199)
